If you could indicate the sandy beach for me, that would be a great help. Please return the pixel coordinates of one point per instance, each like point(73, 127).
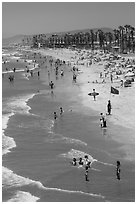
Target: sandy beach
point(123, 105)
point(37, 150)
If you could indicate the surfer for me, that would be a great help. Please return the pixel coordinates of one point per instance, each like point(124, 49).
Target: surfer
point(94, 94)
point(118, 170)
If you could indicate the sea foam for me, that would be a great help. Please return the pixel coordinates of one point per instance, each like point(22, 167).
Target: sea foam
point(18, 104)
point(7, 142)
point(54, 137)
point(73, 153)
point(11, 179)
point(22, 196)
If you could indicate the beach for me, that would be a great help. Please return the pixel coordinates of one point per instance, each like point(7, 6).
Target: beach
point(38, 150)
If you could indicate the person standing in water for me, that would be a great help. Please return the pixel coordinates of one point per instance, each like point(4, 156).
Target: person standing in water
point(118, 170)
point(87, 166)
point(86, 173)
point(55, 115)
point(61, 110)
point(51, 85)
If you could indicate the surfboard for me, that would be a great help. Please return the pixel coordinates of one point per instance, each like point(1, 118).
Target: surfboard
point(93, 94)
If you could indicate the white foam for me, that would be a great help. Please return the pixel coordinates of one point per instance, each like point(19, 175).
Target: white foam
point(10, 179)
point(22, 196)
point(60, 138)
point(104, 163)
point(76, 192)
point(73, 153)
point(18, 104)
point(5, 119)
point(7, 142)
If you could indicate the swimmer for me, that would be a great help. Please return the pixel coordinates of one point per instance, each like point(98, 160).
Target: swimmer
point(80, 161)
point(74, 162)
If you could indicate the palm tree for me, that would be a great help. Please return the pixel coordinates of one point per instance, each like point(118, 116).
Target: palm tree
point(92, 39)
point(101, 37)
point(110, 39)
point(121, 30)
point(132, 34)
point(127, 28)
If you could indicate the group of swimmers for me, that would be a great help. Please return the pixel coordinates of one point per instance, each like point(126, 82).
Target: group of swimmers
point(55, 113)
point(85, 163)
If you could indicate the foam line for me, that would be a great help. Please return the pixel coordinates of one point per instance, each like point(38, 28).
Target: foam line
point(77, 154)
point(105, 163)
point(10, 179)
point(18, 104)
point(77, 192)
point(22, 196)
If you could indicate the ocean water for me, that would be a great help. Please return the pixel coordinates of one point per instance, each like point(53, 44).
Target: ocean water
point(38, 150)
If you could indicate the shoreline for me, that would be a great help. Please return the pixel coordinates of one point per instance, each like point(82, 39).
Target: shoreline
point(50, 188)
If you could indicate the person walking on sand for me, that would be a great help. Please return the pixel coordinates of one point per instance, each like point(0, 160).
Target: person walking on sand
point(109, 107)
point(94, 94)
point(111, 77)
point(118, 170)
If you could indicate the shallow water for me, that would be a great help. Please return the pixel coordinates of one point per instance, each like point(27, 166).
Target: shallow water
point(38, 167)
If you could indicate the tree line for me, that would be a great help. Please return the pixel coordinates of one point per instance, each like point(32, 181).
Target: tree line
point(122, 38)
